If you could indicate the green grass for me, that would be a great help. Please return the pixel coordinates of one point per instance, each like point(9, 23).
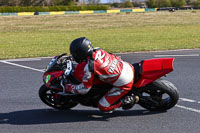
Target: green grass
point(36, 36)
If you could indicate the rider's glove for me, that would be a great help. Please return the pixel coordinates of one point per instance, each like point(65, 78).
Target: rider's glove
point(73, 88)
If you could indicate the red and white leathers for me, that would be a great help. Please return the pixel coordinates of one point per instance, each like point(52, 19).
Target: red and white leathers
point(107, 68)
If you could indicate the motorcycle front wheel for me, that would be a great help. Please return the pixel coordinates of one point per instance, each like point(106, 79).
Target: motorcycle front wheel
point(47, 96)
point(160, 95)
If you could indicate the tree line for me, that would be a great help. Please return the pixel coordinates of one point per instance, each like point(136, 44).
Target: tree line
point(172, 3)
point(37, 2)
point(127, 3)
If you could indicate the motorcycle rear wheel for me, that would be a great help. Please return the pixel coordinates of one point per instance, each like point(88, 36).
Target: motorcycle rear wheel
point(48, 97)
point(160, 95)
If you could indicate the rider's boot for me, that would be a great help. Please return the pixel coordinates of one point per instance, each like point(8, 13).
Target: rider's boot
point(129, 101)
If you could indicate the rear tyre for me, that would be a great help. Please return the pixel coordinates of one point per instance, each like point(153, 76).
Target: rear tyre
point(48, 97)
point(160, 95)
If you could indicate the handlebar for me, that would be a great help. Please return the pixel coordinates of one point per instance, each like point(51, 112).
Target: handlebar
point(66, 62)
point(67, 57)
point(64, 58)
point(58, 57)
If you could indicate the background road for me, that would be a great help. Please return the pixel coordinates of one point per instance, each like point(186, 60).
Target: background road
point(22, 111)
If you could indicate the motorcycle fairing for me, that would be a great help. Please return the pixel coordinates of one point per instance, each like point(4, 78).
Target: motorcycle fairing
point(49, 76)
point(153, 69)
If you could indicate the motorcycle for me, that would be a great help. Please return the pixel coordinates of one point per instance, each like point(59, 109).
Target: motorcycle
point(154, 94)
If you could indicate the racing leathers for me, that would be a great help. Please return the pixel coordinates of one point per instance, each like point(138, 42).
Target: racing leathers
point(107, 68)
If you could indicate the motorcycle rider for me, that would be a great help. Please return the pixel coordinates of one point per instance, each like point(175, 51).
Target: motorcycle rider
point(106, 67)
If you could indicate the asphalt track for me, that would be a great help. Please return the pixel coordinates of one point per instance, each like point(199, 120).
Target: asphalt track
point(21, 110)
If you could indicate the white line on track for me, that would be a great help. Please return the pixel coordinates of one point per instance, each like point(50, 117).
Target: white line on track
point(188, 55)
point(26, 67)
point(28, 59)
point(189, 100)
point(187, 108)
point(159, 51)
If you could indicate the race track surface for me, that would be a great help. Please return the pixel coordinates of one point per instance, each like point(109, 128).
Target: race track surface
point(22, 111)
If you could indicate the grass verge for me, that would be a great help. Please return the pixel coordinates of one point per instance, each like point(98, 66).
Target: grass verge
point(36, 36)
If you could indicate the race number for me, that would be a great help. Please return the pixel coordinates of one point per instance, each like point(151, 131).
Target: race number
point(99, 56)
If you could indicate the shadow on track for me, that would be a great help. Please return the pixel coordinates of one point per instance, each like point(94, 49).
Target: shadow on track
point(48, 116)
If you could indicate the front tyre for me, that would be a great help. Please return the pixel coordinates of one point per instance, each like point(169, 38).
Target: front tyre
point(47, 96)
point(160, 95)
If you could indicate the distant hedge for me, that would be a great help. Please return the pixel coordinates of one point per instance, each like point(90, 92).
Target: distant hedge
point(4, 9)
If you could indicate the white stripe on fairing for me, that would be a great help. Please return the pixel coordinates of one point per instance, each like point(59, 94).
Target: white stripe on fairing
point(187, 108)
point(176, 55)
point(126, 75)
point(26, 67)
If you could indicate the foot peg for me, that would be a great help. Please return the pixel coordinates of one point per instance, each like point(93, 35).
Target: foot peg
point(129, 101)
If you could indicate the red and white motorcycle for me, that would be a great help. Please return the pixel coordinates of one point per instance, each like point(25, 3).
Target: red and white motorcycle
point(154, 94)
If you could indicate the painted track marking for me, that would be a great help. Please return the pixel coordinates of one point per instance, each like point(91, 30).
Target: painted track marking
point(187, 108)
point(28, 59)
point(189, 55)
point(189, 100)
point(26, 67)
